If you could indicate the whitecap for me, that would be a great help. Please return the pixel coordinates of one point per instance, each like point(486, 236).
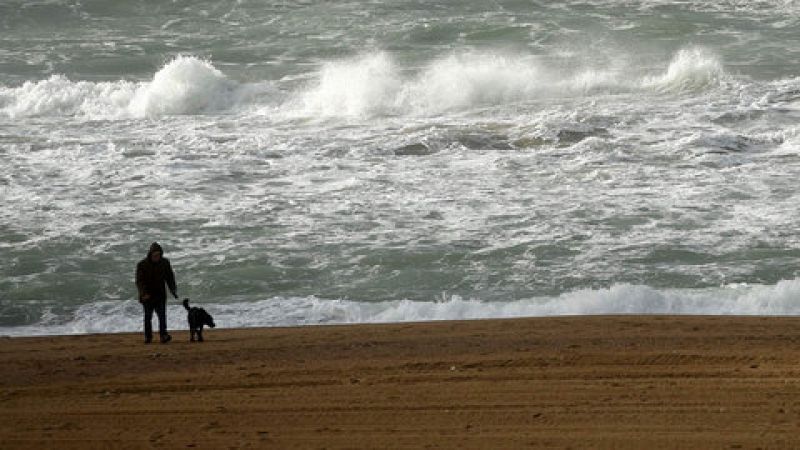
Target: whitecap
point(734, 299)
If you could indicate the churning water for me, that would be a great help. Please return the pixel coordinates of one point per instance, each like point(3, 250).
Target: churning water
point(309, 162)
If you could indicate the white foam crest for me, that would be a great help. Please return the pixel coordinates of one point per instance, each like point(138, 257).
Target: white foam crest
point(691, 69)
point(365, 85)
point(372, 84)
point(185, 85)
point(593, 80)
point(58, 96)
point(463, 81)
point(737, 299)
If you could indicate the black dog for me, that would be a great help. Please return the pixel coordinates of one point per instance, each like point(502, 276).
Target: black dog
point(197, 318)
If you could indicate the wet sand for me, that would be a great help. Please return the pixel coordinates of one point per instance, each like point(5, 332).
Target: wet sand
point(599, 382)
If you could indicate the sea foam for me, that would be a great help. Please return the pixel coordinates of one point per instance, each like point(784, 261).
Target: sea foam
point(372, 84)
point(364, 86)
point(184, 85)
point(691, 69)
point(736, 299)
point(58, 96)
point(463, 81)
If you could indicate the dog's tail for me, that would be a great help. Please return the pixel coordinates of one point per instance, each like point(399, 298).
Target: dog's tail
point(186, 303)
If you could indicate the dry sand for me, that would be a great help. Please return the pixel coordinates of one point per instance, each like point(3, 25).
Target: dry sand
point(607, 382)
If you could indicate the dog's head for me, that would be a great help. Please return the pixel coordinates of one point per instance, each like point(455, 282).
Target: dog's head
point(208, 320)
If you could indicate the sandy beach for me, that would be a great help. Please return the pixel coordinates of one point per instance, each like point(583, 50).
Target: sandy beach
point(599, 382)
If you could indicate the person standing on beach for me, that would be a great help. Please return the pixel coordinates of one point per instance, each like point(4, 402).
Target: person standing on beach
point(152, 273)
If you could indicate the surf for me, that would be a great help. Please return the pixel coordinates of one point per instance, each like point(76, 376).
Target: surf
point(621, 298)
point(367, 85)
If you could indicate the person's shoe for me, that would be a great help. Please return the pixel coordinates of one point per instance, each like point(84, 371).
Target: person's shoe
point(165, 338)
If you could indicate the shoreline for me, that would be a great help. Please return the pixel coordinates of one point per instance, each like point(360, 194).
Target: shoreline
point(624, 381)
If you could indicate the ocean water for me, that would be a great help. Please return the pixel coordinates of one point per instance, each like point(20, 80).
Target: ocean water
point(310, 162)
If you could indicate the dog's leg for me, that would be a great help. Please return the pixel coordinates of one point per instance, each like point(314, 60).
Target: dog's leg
point(191, 334)
point(200, 334)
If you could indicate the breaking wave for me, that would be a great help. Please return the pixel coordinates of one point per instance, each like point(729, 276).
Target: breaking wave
point(372, 84)
point(738, 299)
point(185, 85)
point(58, 96)
point(690, 70)
point(368, 85)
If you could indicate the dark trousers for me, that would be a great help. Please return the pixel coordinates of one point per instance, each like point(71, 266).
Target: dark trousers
point(160, 307)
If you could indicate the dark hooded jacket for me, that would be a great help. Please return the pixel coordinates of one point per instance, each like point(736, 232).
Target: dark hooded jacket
point(151, 277)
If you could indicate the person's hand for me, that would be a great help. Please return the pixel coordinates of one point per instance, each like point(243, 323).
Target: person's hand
point(175, 294)
point(146, 297)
